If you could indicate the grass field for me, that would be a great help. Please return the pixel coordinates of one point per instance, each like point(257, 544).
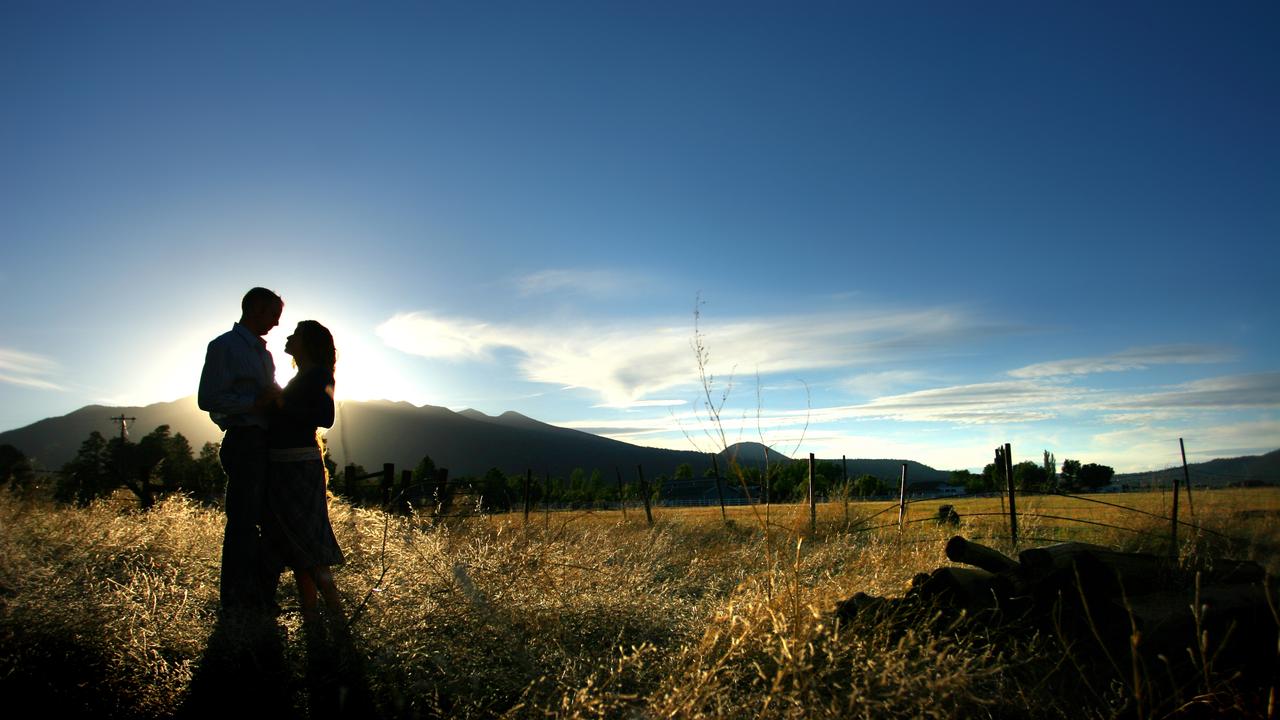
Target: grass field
point(112, 612)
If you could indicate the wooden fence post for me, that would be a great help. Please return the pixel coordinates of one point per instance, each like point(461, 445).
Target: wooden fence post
point(406, 481)
point(813, 501)
point(1173, 525)
point(844, 473)
point(715, 471)
point(528, 480)
point(644, 490)
point(902, 498)
point(999, 468)
point(1186, 476)
point(388, 479)
point(353, 490)
point(546, 499)
point(622, 496)
point(1008, 479)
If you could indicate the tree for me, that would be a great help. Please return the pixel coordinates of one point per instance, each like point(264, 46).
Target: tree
point(493, 492)
point(993, 477)
point(85, 479)
point(427, 486)
point(1093, 475)
point(210, 482)
point(15, 469)
point(1028, 475)
point(684, 471)
point(1050, 471)
point(965, 479)
point(868, 485)
point(1070, 472)
point(425, 471)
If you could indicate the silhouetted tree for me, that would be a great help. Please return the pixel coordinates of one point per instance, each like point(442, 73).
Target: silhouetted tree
point(210, 484)
point(494, 496)
point(966, 479)
point(15, 469)
point(1028, 476)
point(1070, 473)
point(993, 477)
point(1093, 475)
point(85, 478)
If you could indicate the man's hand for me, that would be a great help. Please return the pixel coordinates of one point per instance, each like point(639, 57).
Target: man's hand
point(272, 397)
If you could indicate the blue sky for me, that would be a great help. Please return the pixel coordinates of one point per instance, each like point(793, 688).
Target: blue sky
point(917, 230)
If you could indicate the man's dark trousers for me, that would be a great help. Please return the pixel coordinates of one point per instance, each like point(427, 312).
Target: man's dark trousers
point(250, 571)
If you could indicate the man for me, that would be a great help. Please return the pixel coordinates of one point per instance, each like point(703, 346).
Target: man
point(237, 386)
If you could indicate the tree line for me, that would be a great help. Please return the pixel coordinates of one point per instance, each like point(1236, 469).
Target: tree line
point(1030, 476)
point(163, 463)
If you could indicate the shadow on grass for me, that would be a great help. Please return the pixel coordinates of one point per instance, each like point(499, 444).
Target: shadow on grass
point(245, 670)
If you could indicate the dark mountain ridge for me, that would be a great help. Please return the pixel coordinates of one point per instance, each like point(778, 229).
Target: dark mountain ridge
point(1220, 472)
point(469, 442)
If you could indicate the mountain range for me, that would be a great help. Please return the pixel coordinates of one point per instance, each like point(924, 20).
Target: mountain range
point(468, 442)
point(1220, 472)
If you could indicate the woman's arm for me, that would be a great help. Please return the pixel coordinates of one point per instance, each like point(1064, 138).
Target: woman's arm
point(309, 401)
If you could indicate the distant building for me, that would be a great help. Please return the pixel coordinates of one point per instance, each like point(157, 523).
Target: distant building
point(934, 488)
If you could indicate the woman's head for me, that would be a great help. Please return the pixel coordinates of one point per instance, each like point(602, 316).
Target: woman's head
point(312, 342)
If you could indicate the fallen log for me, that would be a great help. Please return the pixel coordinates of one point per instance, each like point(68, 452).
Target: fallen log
point(1098, 571)
point(971, 553)
point(970, 588)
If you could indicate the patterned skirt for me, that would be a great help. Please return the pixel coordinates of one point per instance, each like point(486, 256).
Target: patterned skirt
point(297, 519)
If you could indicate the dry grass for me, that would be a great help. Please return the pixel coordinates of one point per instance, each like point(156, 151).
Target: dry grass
point(110, 611)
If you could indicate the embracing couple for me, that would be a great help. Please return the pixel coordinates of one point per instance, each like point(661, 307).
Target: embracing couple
point(277, 499)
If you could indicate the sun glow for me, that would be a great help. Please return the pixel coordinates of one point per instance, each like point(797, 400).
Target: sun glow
point(365, 370)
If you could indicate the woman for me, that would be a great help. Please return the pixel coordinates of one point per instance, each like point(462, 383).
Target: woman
point(297, 524)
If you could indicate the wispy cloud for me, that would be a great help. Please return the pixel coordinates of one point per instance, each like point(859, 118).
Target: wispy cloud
point(981, 403)
point(592, 283)
point(1259, 390)
point(642, 404)
point(1132, 359)
point(27, 370)
point(872, 384)
point(633, 361)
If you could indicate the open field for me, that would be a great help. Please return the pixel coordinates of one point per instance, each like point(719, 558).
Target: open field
point(578, 614)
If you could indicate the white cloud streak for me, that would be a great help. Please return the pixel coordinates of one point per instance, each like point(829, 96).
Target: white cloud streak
point(628, 363)
point(1132, 359)
point(1231, 392)
point(982, 403)
point(592, 283)
point(27, 370)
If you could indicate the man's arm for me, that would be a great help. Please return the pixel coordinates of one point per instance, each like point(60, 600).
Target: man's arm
point(217, 385)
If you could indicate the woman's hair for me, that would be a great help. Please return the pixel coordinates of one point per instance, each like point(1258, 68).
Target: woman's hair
point(318, 342)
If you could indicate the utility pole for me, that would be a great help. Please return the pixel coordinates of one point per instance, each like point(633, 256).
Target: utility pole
point(123, 422)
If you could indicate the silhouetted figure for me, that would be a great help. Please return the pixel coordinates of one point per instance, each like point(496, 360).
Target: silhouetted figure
point(297, 524)
point(237, 388)
point(297, 527)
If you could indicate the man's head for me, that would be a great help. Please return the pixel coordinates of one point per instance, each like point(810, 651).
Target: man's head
point(260, 310)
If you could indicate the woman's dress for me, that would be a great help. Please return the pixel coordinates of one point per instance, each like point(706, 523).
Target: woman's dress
point(297, 523)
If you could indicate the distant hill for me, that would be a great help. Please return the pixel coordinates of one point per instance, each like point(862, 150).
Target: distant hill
point(52, 442)
point(470, 442)
point(1221, 472)
point(467, 442)
point(749, 453)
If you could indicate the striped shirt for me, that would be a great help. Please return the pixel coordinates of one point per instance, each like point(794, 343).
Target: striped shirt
point(237, 368)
